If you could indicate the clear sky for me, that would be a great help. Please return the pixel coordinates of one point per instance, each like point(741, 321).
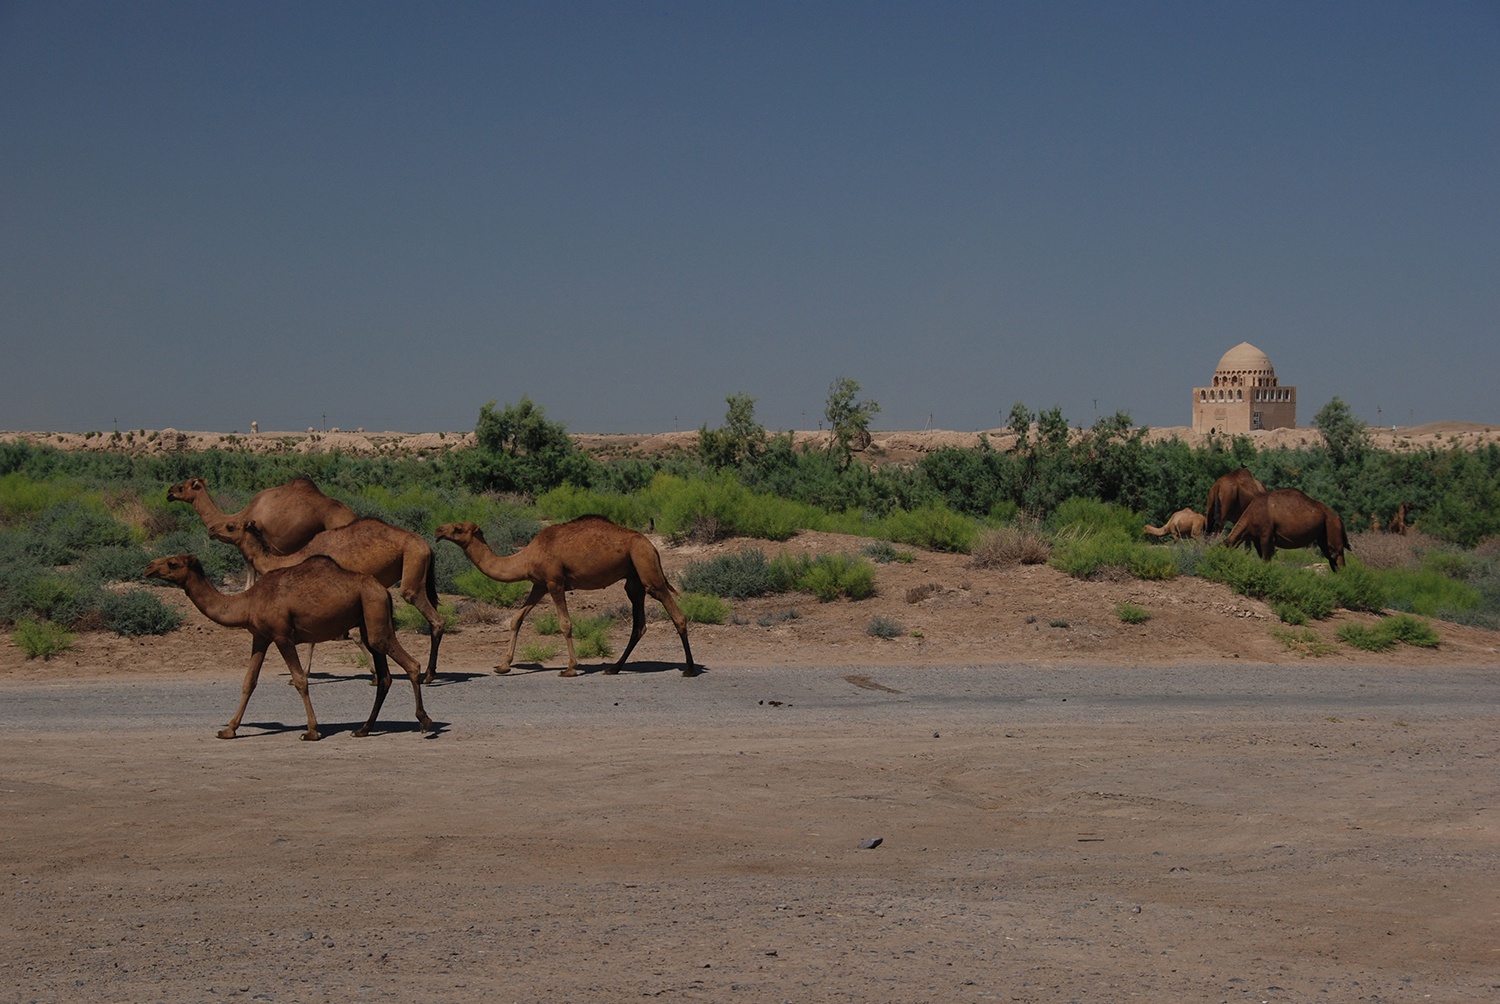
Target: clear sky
point(389, 214)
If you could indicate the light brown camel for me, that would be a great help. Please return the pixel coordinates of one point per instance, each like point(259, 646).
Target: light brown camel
point(1288, 518)
point(310, 602)
point(288, 515)
point(586, 553)
point(1229, 496)
point(1182, 524)
point(1398, 521)
point(367, 545)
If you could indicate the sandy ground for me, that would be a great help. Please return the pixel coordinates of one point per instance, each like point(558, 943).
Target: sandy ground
point(1069, 808)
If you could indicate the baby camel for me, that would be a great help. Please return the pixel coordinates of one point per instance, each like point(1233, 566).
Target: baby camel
point(1184, 523)
point(586, 553)
point(367, 545)
point(288, 515)
point(311, 602)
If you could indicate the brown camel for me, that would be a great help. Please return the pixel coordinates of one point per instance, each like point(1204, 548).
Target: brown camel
point(1182, 524)
point(1229, 496)
point(367, 545)
point(587, 553)
point(1288, 518)
point(1398, 521)
point(310, 602)
point(288, 515)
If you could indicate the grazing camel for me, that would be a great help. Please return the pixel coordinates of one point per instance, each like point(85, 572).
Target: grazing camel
point(367, 545)
point(1182, 524)
point(1288, 518)
point(288, 515)
point(1398, 522)
point(311, 602)
point(1229, 496)
point(586, 553)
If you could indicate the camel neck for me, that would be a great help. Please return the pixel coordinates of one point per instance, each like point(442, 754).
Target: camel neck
point(216, 606)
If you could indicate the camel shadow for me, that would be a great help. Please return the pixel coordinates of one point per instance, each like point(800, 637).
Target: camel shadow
point(329, 729)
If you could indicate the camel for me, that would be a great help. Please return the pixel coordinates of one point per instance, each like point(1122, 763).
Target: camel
point(288, 515)
point(586, 553)
point(310, 602)
point(1288, 518)
point(1182, 524)
point(367, 545)
point(1398, 522)
point(1229, 496)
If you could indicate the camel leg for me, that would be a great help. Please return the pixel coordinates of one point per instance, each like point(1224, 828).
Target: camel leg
point(252, 675)
point(299, 680)
point(560, 601)
point(532, 599)
point(382, 687)
point(435, 622)
point(413, 673)
point(679, 620)
point(637, 593)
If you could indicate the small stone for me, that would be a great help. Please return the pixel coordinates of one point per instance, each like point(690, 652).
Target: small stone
point(871, 844)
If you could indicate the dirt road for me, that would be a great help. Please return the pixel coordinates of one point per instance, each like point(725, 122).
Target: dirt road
point(1219, 833)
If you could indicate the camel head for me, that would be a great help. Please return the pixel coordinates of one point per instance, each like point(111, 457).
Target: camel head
point(186, 491)
point(177, 568)
point(234, 532)
point(460, 533)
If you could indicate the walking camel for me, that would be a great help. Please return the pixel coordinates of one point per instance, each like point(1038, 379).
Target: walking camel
point(1229, 496)
point(1182, 524)
point(310, 602)
point(586, 553)
point(1289, 518)
point(288, 515)
point(388, 553)
point(1398, 522)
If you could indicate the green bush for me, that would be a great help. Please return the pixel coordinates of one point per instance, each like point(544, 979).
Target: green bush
point(1386, 633)
point(932, 527)
point(53, 596)
point(591, 636)
point(477, 586)
point(737, 576)
point(42, 639)
point(829, 576)
point(1130, 613)
point(114, 564)
point(537, 652)
point(548, 623)
point(882, 552)
point(719, 506)
point(1427, 591)
point(568, 501)
point(137, 612)
point(1357, 588)
point(1283, 586)
point(703, 608)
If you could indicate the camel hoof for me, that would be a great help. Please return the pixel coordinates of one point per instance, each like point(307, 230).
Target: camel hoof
point(502, 670)
point(691, 671)
point(310, 737)
point(426, 724)
point(570, 671)
point(611, 670)
point(226, 733)
point(360, 733)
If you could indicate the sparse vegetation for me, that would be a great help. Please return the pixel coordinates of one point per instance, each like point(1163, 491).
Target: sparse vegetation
point(1003, 546)
point(703, 608)
point(1130, 613)
point(1387, 632)
point(536, 651)
point(42, 639)
point(1305, 642)
point(884, 627)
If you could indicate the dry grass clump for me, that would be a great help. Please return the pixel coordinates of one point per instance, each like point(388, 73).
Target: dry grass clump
point(1011, 545)
point(916, 594)
point(1393, 550)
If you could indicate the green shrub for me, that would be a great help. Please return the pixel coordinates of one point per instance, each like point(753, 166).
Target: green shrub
point(703, 608)
point(53, 596)
point(1283, 586)
point(1428, 592)
point(114, 564)
point(477, 586)
point(883, 552)
point(1305, 642)
point(829, 576)
point(932, 527)
point(1131, 614)
point(535, 651)
point(884, 627)
point(1387, 632)
point(42, 639)
point(547, 623)
point(568, 501)
point(1357, 588)
point(137, 612)
point(591, 636)
point(712, 508)
point(738, 576)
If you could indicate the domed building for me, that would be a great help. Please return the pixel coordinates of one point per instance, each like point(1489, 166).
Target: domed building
point(1245, 396)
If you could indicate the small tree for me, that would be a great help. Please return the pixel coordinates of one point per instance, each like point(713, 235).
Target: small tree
point(1345, 437)
point(848, 418)
point(519, 450)
point(739, 439)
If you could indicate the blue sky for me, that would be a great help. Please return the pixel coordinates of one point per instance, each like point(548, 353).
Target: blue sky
point(389, 214)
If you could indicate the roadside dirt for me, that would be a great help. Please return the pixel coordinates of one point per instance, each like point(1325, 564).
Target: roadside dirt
point(1256, 855)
